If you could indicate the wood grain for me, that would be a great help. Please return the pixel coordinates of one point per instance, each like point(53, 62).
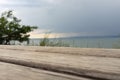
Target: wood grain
point(76, 62)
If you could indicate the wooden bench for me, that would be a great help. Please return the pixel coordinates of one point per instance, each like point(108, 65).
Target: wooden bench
point(58, 63)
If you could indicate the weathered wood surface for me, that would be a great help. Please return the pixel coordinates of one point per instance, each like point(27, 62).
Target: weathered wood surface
point(71, 63)
point(16, 72)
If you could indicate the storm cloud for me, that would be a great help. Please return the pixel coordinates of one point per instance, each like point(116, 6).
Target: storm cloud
point(83, 17)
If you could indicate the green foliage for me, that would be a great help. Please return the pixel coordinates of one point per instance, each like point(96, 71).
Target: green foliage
point(116, 45)
point(47, 42)
point(11, 29)
point(58, 43)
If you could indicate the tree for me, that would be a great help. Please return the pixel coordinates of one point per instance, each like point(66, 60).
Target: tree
point(11, 29)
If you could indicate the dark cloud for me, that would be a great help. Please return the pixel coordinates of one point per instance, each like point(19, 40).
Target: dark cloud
point(89, 16)
point(72, 16)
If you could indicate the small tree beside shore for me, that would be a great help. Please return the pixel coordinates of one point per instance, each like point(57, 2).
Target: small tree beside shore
point(11, 29)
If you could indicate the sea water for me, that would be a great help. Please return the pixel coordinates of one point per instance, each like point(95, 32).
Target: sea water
point(85, 42)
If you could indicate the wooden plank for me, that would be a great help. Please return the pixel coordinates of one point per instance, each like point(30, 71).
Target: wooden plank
point(90, 63)
point(16, 72)
point(68, 50)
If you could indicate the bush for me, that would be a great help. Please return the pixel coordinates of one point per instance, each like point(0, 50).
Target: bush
point(47, 42)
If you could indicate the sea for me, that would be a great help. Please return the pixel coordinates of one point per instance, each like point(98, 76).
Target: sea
point(81, 42)
point(84, 42)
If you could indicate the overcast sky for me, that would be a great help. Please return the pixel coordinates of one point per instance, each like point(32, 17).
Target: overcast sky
point(68, 17)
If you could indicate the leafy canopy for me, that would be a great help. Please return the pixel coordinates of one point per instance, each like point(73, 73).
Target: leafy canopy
point(11, 29)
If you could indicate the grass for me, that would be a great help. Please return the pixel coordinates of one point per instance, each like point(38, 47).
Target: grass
point(54, 43)
point(116, 45)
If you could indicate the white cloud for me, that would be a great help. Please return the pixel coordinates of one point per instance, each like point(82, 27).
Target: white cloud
point(40, 33)
point(50, 1)
point(7, 2)
point(3, 1)
point(20, 3)
point(53, 1)
point(53, 35)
